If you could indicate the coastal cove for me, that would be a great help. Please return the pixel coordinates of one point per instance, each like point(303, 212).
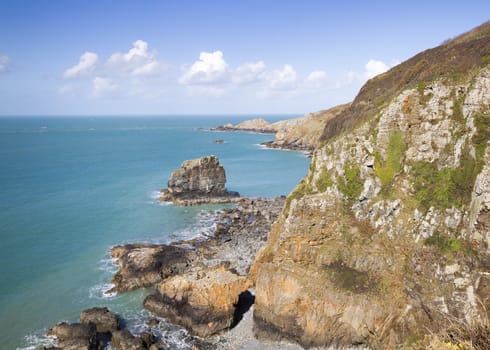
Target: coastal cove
point(74, 187)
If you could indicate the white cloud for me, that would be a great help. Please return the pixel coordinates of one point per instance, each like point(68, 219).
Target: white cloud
point(249, 73)
point(211, 68)
point(85, 65)
point(138, 61)
point(374, 67)
point(103, 86)
point(4, 62)
point(316, 79)
point(285, 78)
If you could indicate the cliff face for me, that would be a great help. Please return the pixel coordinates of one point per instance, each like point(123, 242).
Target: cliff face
point(388, 236)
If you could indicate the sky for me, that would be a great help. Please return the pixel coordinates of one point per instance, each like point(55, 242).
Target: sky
point(120, 57)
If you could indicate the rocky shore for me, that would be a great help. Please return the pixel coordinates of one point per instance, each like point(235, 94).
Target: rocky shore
point(201, 284)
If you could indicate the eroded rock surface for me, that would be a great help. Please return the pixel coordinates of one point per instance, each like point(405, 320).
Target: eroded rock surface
point(203, 300)
point(144, 265)
point(198, 181)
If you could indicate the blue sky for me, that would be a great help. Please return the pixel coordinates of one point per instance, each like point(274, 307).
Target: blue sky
point(116, 57)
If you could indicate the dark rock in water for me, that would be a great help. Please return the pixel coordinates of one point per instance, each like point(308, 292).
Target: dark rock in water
point(219, 141)
point(103, 319)
point(74, 336)
point(124, 340)
point(144, 265)
point(153, 322)
point(203, 300)
point(198, 181)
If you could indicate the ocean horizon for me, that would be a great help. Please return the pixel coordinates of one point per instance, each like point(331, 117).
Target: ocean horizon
point(72, 187)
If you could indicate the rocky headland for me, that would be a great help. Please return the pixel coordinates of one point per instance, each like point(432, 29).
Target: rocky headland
point(301, 134)
point(198, 181)
point(384, 244)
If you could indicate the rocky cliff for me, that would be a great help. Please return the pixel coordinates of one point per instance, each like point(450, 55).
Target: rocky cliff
point(198, 181)
point(388, 236)
point(302, 133)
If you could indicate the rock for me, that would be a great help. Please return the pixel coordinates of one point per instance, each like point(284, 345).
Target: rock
point(203, 301)
point(198, 181)
point(144, 265)
point(104, 320)
point(257, 125)
point(219, 141)
point(124, 340)
point(74, 336)
point(153, 322)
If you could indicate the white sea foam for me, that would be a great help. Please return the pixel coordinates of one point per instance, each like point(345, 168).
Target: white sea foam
point(108, 265)
point(35, 340)
point(101, 291)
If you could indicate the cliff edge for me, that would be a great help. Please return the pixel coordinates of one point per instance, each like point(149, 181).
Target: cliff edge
point(387, 238)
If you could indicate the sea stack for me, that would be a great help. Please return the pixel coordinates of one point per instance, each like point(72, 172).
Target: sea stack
point(198, 181)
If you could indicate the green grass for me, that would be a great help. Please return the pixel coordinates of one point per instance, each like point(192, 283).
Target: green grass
point(386, 170)
point(351, 186)
point(324, 180)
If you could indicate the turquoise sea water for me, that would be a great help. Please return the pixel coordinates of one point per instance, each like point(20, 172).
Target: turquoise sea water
point(70, 188)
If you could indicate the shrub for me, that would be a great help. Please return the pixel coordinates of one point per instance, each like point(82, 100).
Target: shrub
point(351, 186)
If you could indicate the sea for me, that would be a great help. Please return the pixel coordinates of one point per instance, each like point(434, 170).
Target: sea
point(73, 187)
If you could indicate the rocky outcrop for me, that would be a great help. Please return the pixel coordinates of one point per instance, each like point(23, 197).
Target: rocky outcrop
point(74, 336)
point(144, 265)
point(104, 320)
point(300, 134)
point(198, 181)
point(257, 125)
point(203, 300)
point(387, 236)
point(240, 233)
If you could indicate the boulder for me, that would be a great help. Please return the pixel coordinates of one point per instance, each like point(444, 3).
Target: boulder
point(77, 336)
point(198, 181)
point(144, 265)
point(104, 320)
point(124, 340)
point(203, 300)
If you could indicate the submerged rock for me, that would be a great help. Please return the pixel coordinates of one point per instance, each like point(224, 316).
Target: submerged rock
point(198, 181)
point(203, 300)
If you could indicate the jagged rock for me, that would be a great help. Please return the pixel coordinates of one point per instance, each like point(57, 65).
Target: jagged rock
point(103, 319)
point(198, 181)
point(75, 336)
point(203, 300)
point(144, 265)
point(124, 340)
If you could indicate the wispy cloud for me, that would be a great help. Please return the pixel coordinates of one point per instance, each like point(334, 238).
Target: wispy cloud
point(85, 65)
point(4, 63)
point(138, 61)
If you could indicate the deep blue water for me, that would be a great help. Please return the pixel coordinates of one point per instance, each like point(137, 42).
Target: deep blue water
point(70, 188)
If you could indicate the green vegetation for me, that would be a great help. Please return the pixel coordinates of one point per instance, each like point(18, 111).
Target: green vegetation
point(299, 191)
point(352, 185)
point(447, 187)
point(324, 180)
point(444, 243)
point(457, 115)
point(386, 170)
point(450, 246)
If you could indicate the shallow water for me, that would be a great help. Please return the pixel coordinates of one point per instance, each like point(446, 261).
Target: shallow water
point(70, 188)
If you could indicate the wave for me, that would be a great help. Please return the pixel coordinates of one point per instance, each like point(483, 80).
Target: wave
point(101, 291)
point(36, 340)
